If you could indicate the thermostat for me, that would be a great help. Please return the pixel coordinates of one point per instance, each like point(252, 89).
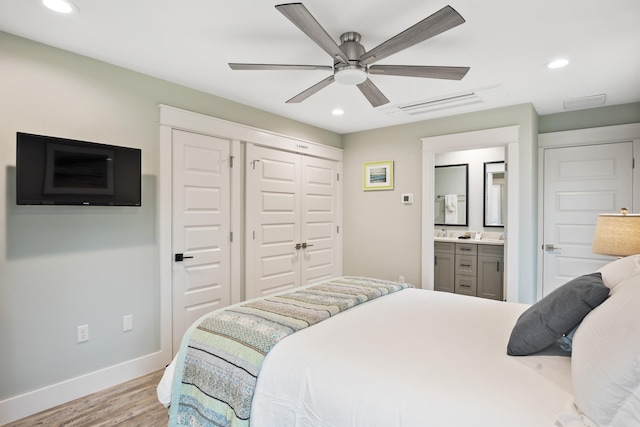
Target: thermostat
point(407, 199)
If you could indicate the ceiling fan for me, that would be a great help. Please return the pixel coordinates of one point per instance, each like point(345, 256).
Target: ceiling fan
point(352, 64)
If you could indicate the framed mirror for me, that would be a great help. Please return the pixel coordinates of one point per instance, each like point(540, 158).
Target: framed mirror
point(451, 186)
point(495, 206)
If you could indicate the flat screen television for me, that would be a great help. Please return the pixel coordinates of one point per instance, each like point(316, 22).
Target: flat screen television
point(60, 171)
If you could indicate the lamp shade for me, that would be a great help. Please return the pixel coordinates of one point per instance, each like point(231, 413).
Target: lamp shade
point(617, 235)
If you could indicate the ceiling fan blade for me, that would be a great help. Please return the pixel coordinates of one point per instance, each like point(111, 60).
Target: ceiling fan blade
point(441, 21)
point(242, 66)
point(372, 93)
point(448, 73)
point(313, 89)
point(302, 18)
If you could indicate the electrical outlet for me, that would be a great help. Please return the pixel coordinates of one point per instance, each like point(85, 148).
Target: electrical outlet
point(127, 323)
point(401, 279)
point(83, 333)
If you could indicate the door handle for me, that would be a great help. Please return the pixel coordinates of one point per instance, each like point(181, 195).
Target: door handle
point(181, 257)
point(549, 248)
point(304, 245)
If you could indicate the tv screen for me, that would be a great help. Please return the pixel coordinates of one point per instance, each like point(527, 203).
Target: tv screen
point(59, 171)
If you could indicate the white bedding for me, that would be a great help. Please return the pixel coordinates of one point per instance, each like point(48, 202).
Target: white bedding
point(413, 358)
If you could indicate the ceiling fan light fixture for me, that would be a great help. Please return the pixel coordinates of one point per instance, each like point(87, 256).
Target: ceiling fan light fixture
point(350, 75)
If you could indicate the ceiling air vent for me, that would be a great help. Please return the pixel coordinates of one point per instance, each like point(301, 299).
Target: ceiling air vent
point(481, 95)
point(584, 102)
point(469, 98)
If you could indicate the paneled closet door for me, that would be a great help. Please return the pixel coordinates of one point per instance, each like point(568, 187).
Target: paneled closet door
point(273, 221)
point(319, 218)
point(291, 220)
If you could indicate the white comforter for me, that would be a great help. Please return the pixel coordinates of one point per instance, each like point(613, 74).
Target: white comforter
point(413, 358)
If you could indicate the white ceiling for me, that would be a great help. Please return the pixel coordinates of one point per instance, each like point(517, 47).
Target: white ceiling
point(505, 42)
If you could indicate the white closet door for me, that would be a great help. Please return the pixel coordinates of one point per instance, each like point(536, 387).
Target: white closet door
point(580, 183)
point(319, 218)
point(273, 211)
point(292, 220)
point(201, 228)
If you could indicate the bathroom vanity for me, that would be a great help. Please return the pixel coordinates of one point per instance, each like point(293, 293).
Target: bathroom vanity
point(469, 267)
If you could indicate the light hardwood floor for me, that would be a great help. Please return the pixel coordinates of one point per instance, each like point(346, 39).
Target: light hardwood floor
point(133, 403)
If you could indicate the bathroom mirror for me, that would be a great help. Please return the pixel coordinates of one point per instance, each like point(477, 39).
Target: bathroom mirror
point(451, 186)
point(494, 194)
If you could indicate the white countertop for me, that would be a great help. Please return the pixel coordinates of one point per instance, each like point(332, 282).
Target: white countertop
point(472, 241)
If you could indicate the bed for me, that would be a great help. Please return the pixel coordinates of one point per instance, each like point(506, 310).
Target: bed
point(412, 357)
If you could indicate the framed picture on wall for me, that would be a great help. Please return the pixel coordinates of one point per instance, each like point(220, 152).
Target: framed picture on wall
point(377, 175)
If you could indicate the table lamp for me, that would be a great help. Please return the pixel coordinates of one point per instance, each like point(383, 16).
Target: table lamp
point(617, 234)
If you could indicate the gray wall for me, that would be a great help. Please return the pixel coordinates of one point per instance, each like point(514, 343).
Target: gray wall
point(61, 267)
point(591, 118)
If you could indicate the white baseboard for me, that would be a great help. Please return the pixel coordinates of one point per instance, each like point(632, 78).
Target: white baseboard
point(30, 403)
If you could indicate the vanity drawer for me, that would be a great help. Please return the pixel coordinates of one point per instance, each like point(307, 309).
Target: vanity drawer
point(466, 249)
point(446, 247)
point(466, 285)
point(466, 265)
point(490, 250)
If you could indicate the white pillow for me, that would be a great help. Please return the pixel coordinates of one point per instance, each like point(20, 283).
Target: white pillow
point(605, 362)
point(618, 270)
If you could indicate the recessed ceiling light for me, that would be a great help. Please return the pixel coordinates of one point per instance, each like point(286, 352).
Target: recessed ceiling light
point(558, 63)
point(337, 111)
point(60, 6)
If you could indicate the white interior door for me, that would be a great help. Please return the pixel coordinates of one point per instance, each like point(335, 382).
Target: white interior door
point(292, 220)
point(319, 219)
point(201, 228)
point(580, 183)
point(273, 213)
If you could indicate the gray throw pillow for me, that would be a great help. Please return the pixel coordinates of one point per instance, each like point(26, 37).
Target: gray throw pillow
point(556, 314)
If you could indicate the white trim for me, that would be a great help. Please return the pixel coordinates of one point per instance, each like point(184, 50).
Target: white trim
point(505, 136)
point(577, 138)
point(195, 122)
point(237, 294)
point(53, 395)
point(600, 135)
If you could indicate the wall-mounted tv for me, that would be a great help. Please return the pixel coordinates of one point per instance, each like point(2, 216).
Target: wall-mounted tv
point(60, 171)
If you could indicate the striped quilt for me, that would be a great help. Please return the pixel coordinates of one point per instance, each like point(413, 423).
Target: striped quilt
point(223, 352)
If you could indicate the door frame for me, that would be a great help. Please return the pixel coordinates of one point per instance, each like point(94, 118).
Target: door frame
point(576, 138)
point(176, 118)
point(508, 137)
